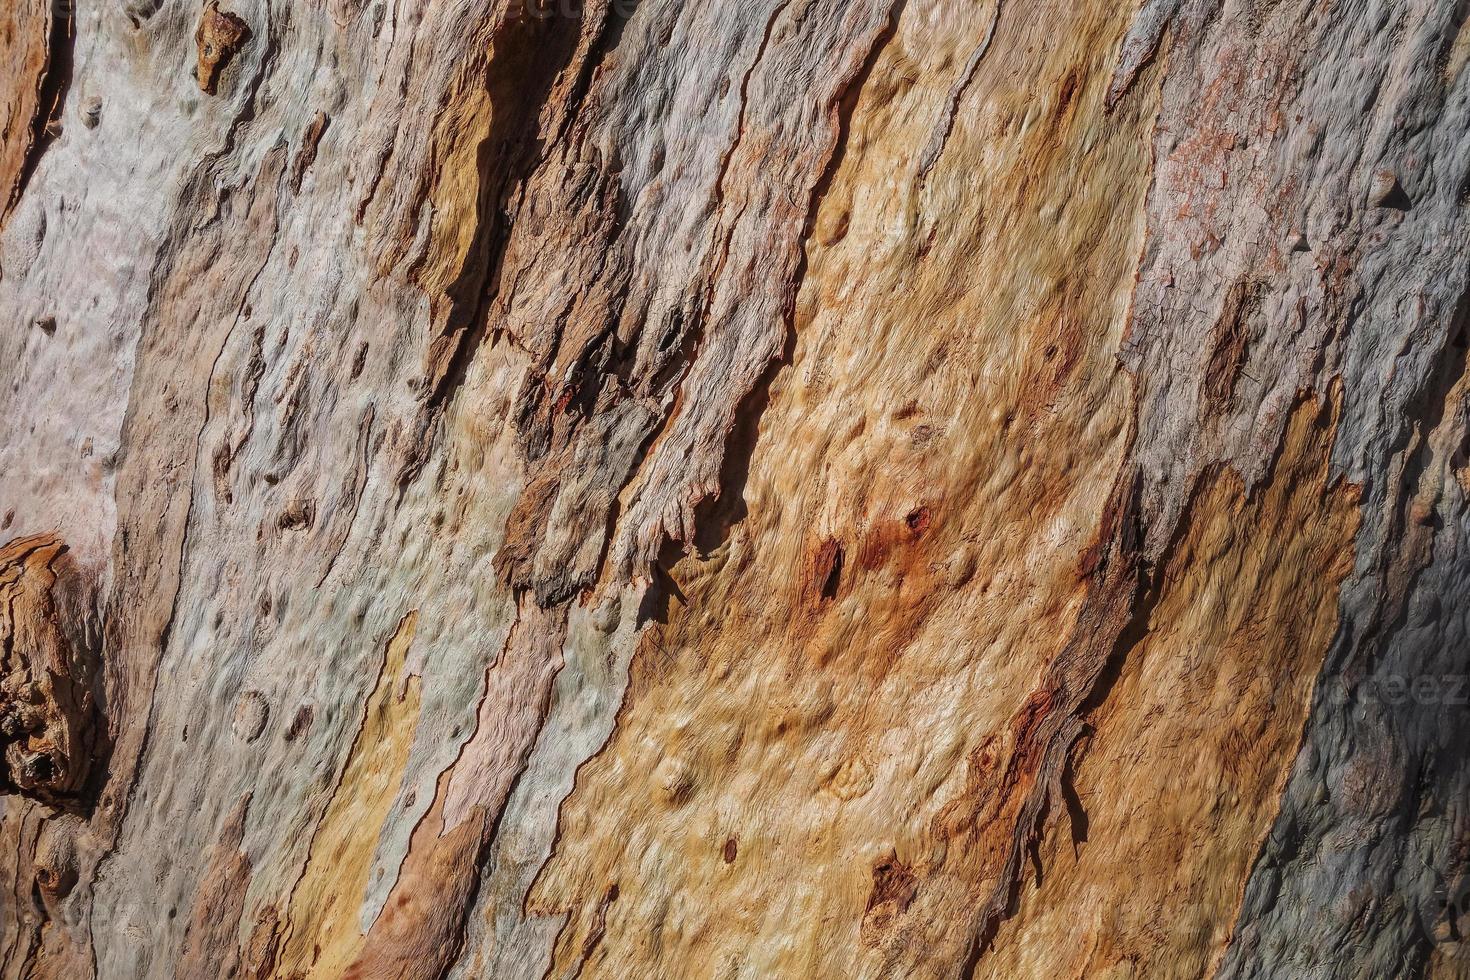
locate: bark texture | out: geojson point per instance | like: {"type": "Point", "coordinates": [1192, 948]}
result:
{"type": "Point", "coordinates": [789, 488]}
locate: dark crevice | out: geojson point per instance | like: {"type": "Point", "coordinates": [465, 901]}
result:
{"type": "Point", "coordinates": [655, 605]}
{"type": "Point", "coordinates": [51, 98]}
{"type": "Point", "coordinates": [1122, 575]}
{"type": "Point", "coordinates": [832, 579]}
{"type": "Point", "coordinates": [608, 38]}
{"type": "Point", "coordinates": [717, 515]}
{"type": "Point", "coordinates": [506, 157]}
{"type": "Point", "coordinates": [531, 54]}
{"type": "Point", "coordinates": [662, 357]}
{"type": "Point", "coordinates": [1076, 812]}
{"type": "Point", "coordinates": [520, 82]}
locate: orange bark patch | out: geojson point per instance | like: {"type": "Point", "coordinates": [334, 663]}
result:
{"type": "Point", "coordinates": [1178, 784]}
{"type": "Point", "coordinates": [219, 38]}
{"type": "Point", "coordinates": [953, 420]}
{"type": "Point", "coordinates": [32, 34]}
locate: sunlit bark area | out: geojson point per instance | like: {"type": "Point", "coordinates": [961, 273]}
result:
{"type": "Point", "coordinates": [783, 489]}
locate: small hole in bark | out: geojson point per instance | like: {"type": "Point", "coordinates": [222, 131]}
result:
{"type": "Point", "coordinates": [918, 520]}
{"type": "Point", "coordinates": [894, 884]}
{"type": "Point", "coordinates": [300, 724]}
{"type": "Point", "coordinates": [832, 558]}
{"type": "Point", "coordinates": [41, 768]}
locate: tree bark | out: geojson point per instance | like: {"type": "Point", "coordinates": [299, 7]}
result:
{"type": "Point", "coordinates": [792, 488]}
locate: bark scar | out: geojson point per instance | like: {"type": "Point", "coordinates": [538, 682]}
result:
{"type": "Point", "coordinates": [220, 36]}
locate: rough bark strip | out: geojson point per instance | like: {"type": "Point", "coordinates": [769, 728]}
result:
{"type": "Point", "coordinates": [37, 38]}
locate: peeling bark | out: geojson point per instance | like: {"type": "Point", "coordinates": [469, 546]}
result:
{"type": "Point", "coordinates": [793, 488]}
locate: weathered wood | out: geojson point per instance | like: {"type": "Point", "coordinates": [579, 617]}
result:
{"type": "Point", "coordinates": [879, 488]}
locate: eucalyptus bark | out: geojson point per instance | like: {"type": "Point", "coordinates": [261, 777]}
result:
{"type": "Point", "coordinates": [791, 488]}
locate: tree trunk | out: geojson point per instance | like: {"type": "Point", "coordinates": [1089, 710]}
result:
{"type": "Point", "coordinates": [789, 488]}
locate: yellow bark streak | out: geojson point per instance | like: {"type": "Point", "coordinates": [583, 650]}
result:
{"type": "Point", "coordinates": [323, 931]}
{"type": "Point", "coordinates": [1181, 779]}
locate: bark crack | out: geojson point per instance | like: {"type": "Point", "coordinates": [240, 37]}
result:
{"type": "Point", "coordinates": [939, 137]}
{"type": "Point", "coordinates": [50, 97]}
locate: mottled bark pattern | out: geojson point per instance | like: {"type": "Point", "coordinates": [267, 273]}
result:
{"type": "Point", "coordinates": [791, 488]}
